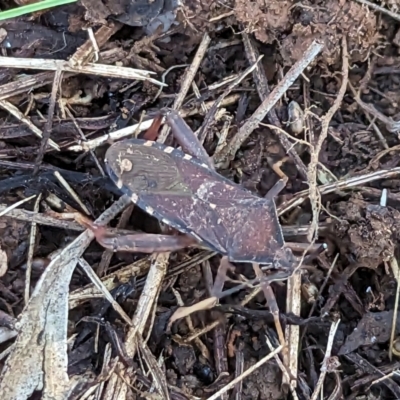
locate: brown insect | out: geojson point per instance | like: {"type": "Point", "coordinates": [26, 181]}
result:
{"type": "Point", "coordinates": [183, 190]}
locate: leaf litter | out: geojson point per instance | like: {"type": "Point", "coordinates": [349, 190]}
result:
{"type": "Point", "coordinates": [160, 326]}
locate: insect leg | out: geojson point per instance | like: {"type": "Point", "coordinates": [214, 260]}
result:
{"type": "Point", "coordinates": [186, 137]}
{"type": "Point", "coordinates": [145, 242]}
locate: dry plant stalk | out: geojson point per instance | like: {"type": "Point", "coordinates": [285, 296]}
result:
{"type": "Point", "coordinates": [143, 126]}
{"type": "Point", "coordinates": [314, 194]}
{"type": "Point", "coordinates": [42, 338]}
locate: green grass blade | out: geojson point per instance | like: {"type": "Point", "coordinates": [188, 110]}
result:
{"type": "Point", "coordinates": [30, 8]}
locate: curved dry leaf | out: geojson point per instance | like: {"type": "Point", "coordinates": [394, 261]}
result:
{"type": "Point", "coordinates": [182, 312]}
{"type": "Point", "coordinates": [3, 263]}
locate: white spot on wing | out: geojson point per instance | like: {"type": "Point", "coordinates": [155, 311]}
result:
{"type": "Point", "coordinates": [148, 143]}
{"type": "Point", "coordinates": [120, 183]}
{"type": "Point", "coordinates": [165, 221]}
{"type": "Point", "coordinates": [134, 198]}
{"type": "Point", "coordinates": [204, 165]}
{"type": "Point", "coordinates": [187, 157]}
{"type": "Point", "coordinates": [149, 210]}
{"type": "Point", "coordinates": [196, 236]}
{"type": "Point", "coordinates": [213, 206]}
{"type": "Point", "coordinates": [169, 149]}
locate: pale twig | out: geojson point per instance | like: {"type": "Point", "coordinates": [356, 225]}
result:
{"type": "Point", "coordinates": [380, 9]}
{"type": "Point", "coordinates": [130, 130]}
{"type": "Point", "coordinates": [100, 286]}
{"type": "Point", "coordinates": [391, 125]}
{"type": "Point", "coordinates": [249, 371]}
{"type": "Point", "coordinates": [25, 84]}
{"type": "Point", "coordinates": [314, 195]}
{"type": "Point", "coordinates": [292, 332]}
{"type": "Point", "coordinates": [395, 267]}
{"type": "Point", "coordinates": [284, 371]}
{"type": "Point", "coordinates": [324, 367]}
{"type": "Point", "coordinates": [110, 71]}
{"type": "Point", "coordinates": [71, 191]}
{"type": "Point", "coordinates": [300, 197]}
{"type": "Point", "coordinates": [367, 114]}
{"type": "Point", "coordinates": [212, 111]}
{"type": "Point", "coordinates": [49, 123]}
{"type": "Point", "coordinates": [202, 347]}
{"type": "Point", "coordinates": [262, 86]}
{"type": "Point", "coordinates": [396, 273]}
{"type": "Point", "coordinates": [187, 81]}
{"type": "Point", "coordinates": [15, 205]}
{"type": "Point", "coordinates": [252, 123]}
{"type": "Point", "coordinates": [32, 242]}
{"type": "Point", "coordinates": [25, 120]}
{"type": "Point", "coordinates": [86, 52]}
{"type": "Point", "coordinates": [163, 76]}
{"type": "Point", "coordinates": [40, 218]}
{"type": "Point", "coordinates": [82, 135]}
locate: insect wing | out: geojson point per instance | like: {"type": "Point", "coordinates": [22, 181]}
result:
{"type": "Point", "coordinates": [185, 194]}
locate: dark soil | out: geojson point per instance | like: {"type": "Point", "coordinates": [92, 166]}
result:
{"type": "Point", "coordinates": [360, 232]}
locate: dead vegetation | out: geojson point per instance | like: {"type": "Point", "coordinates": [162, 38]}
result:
{"type": "Point", "coordinates": [303, 92]}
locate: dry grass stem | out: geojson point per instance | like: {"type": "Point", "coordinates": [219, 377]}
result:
{"type": "Point", "coordinates": [110, 71]}
{"type": "Point", "coordinates": [143, 126]}
{"type": "Point", "coordinates": [268, 103]}
{"type": "Point", "coordinates": [348, 183]}
{"type": "Point", "coordinates": [262, 86]}
{"type": "Point", "coordinates": [314, 194]}
{"type": "Point", "coordinates": [15, 205]}
{"type": "Point", "coordinates": [324, 367]}
{"type": "Point", "coordinates": [26, 121]}
{"type": "Point", "coordinates": [380, 9]}
{"type": "Point", "coordinates": [292, 332]}
{"type": "Point", "coordinates": [71, 192]}
{"type": "Point", "coordinates": [246, 373]}
{"type": "Point", "coordinates": [292, 382]}
{"type": "Point", "coordinates": [187, 81]}
{"type": "Point", "coordinates": [101, 287]}
{"type": "Point", "coordinates": [32, 242]}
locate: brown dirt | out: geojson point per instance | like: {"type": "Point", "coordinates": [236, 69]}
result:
{"type": "Point", "coordinates": [361, 287]}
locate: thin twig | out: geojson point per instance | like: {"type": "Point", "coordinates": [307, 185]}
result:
{"type": "Point", "coordinates": [25, 120]}
{"type": "Point", "coordinates": [284, 371]}
{"type": "Point", "coordinates": [300, 197]}
{"type": "Point", "coordinates": [32, 242]}
{"type": "Point", "coordinates": [82, 135]}
{"type": "Point", "coordinates": [263, 92]}
{"type": "Point", "coordinates": [252, 123]}
{"type": "Point", "coordinates": [292, 332]}
{"type": "Point", "coordinates": [212, 111]}
{"type": "Point", "coordinates": [71, 191]}
{"type": "Point", "coordinates": [324, 367]}
{"type": "Point", "coordinates": [140, 127]}
{"type": "Point", "coordinates": [100, 286]}
{"type": "Point", "coordinates": [40, 218]}
{"type": "Point", "coordinates": [15, 205]}
{"type": "Point", "coordinates": [187, 81]}
{"type": "Point", "coordinates": [395, 267]}
{"type": "Point", "coordinates": [110, 71]}
{"type": "Point", "coordinates": [314, 195]}
{"type": "Point", "coordinates": [246, 373]}
{"type": "Point", "coordinates": [49, 123]}
{"type": "Point", "coordinates": [380, 9]}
